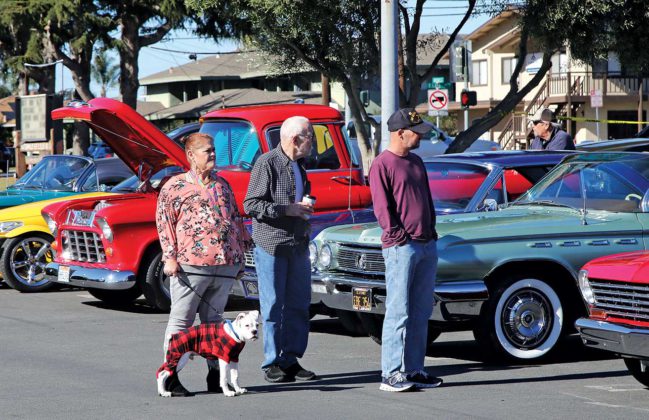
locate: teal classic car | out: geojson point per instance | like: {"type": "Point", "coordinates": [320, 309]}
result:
{"type": "Point", "coordinates": [509, 275]}
{"type": "Point", "coordinates": [58, 176]}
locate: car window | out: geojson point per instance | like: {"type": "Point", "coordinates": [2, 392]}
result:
{"type": "Point", "coordinates": [323, 153]}
{"type": "Point", "coordinates": [91, 183]}
{"type": "Point", "coordinates": [236, 142]}
{"type": "Point", "coordinates": [453, 185]}
{"type": "Point", "coordinates": [58, 173]}
{"type": "Point", "coordinates": [613, 186]}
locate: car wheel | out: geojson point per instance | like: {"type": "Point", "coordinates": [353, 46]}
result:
{"type": "Point", "coordinates": [156, 284]}
{"type": "Point", "coordinates": [23, 262]}
{"type": "Point", "coordinates": [116, 297]}
{"type": "Point", "coordinates": [523, 320]}
{"type": "Point", "coordinates": [635, 367]}
{"type": "Point", "coordinates": [351, 322]}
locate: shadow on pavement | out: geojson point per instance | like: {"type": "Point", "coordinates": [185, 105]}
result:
{"type": "Point", "coordinates": [569, 350]}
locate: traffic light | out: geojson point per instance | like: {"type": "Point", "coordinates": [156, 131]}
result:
{"type": "Point", "coordinates": [468, 98]}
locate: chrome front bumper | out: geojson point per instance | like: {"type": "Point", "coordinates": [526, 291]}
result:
{"type": "Point", "coordinates": [620, 339]}
{"type": "Point", "coordinates": [91, 278]}
{"type": "Point", "coordinates": [248, 288]}
{"type": "Point", "coordinates": [456, 301]}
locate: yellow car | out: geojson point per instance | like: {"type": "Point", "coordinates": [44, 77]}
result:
{"type": "Point", "coordinates": [25, 240]}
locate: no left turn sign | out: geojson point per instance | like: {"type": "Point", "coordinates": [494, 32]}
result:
{"type": "Point", "coordinates": [438, 100]}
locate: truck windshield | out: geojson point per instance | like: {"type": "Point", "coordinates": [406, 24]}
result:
{"type": "Point", "coordinates": [236, 142]}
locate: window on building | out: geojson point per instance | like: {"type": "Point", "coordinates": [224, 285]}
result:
{"type": "Point", "coordinates": [479, 73]}
{"type": "Point", "coordinates": [508, 68]}
{"type": "Point", "coordinates": [508, 65]}
{"type": "Point", "coordinates": [559, 63]}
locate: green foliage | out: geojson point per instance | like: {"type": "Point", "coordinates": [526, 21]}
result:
{"type": "Point", "coordinates": [592, 29]}
{"type": "Point", "coordinates": [104, 71]}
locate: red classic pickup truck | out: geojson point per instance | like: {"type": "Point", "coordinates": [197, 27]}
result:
{"type": "Point", "coordinates": [616, 290]}
{"type": "Point", "coordinates": [110, 245]}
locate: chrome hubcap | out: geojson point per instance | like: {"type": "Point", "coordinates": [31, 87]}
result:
{"type": "Point", "coordinates": [526, 318]}
{"type": "Point", "coordinates": [28, 261]}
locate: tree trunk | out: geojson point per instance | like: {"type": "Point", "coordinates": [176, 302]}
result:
{"type": "Point", "coordinates": [129, 52]}
{"type": "Point", "coordinates": [326, 90]}
{"type": "Point", "coordinates": [80, 139]}
{"type": "Point", "coordinates": [362, 136]}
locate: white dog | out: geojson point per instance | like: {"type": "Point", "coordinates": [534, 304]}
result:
{"type": "Point", "coordinates": [223, 341]}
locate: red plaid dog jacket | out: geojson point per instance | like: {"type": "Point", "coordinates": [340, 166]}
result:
{"type": "Point", "coordinates": [208, 340]}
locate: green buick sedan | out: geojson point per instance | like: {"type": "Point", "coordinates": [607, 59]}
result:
{"type": "Point", "coordinates": [509, 275]}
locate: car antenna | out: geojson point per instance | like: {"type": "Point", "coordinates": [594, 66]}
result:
{"type": "Point", "coordinates": [583, 209]}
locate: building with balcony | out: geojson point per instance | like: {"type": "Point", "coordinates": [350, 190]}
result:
{"type": "Point", "coordinates": [566, 89]}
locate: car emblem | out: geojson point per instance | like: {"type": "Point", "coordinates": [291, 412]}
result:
{"type": "Point", "coordinates": [361, 261]}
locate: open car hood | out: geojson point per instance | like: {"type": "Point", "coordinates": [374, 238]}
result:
{"type": "Point", "coordinates": [134, 139]}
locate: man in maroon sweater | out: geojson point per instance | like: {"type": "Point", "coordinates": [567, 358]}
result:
{"type": "Point", "coordinates": [404, 209]}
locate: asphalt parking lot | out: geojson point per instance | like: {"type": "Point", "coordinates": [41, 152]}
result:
{"type": "Point", "coordinates": [66, 356]}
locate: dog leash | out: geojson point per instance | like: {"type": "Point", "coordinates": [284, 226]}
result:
{"type": "Point", "coordinates": [186, 283]}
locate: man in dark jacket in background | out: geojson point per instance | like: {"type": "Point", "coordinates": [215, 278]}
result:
{"type": "Point", "coordinates": [548, 135]}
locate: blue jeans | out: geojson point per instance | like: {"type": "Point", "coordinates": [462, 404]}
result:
{"type": "Point", "coordinates": [410, 271]}
{"type": "Point", "coordinates": [284, 298]}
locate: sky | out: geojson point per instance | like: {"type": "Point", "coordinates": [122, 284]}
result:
{"type": "Point", "coordinates": [174, 50]}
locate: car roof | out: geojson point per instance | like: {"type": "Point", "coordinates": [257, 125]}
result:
{"type": "Point", "coordinates": [507, 157]}
{"type": "Point", "coordinates": [630, 144]}
{"type": "Point", "coordinates": [263, 115]}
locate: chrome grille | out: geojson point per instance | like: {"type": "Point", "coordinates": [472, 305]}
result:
{"type": "Point", "coordinates": [360, 260]}
{"type": "Point", "coordinates": [79, 245]}
{"type": "Point", "coordinates": [250, 258]}
{"type": "Point", "coordinates": [622, 299]}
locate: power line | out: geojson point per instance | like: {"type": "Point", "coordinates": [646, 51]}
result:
{"type": "Point", "coordinates": [199, 53]}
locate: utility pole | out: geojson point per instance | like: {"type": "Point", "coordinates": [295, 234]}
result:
{"type": "Point", "coordinates": [389, 81]}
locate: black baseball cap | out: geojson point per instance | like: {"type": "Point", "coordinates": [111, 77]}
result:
{"type": "Point", "coordinates": [408, 118]}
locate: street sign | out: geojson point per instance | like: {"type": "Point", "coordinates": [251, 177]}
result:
{"type": "Point", "coordinates": [596, 99]}
{"type": "Point", "coordinates": [437, 102]}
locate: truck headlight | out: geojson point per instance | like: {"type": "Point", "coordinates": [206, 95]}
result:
{"type": "Point", "coordinates": [105, 228]}
{"type": "Point", "coordinates": [324, 257]}
{"type": "Point", "coordinates": [9, 226]}
{"type": "Point", "coordinates": [51, 224]}
{"type": "Point", "coordinates": [586, 290]}
{"type": "Point", "coordinates": [313, 253]}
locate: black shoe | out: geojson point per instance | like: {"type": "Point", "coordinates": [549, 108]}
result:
{"type": "Point", "coordinates": [422, 379]}
{"type": "Point", "coordinates": [213, 380]}
{"type": "Point", "coordinates": [176, 388]}
{"type": "Point", "coordinates": [275, 374]}
{"type": "Point", "coordinates": [299, 373]}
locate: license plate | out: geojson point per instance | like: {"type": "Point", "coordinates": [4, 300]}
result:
{"type": "Point", "coordinates": [250, 288]}
{"type": "Point", "coordinates": [362, 299]}
{"type": "Point", "coordinates": [64, 274]}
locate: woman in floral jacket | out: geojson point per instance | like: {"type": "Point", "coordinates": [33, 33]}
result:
{"type": "Point", "coordinates": [203, 243]}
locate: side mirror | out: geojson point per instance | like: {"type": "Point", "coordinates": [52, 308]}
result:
{"type": "Point", "coordinates": [489, 204]}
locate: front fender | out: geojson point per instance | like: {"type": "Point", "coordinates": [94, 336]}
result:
{"type": "Point", "coordinates": [27, 229]}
